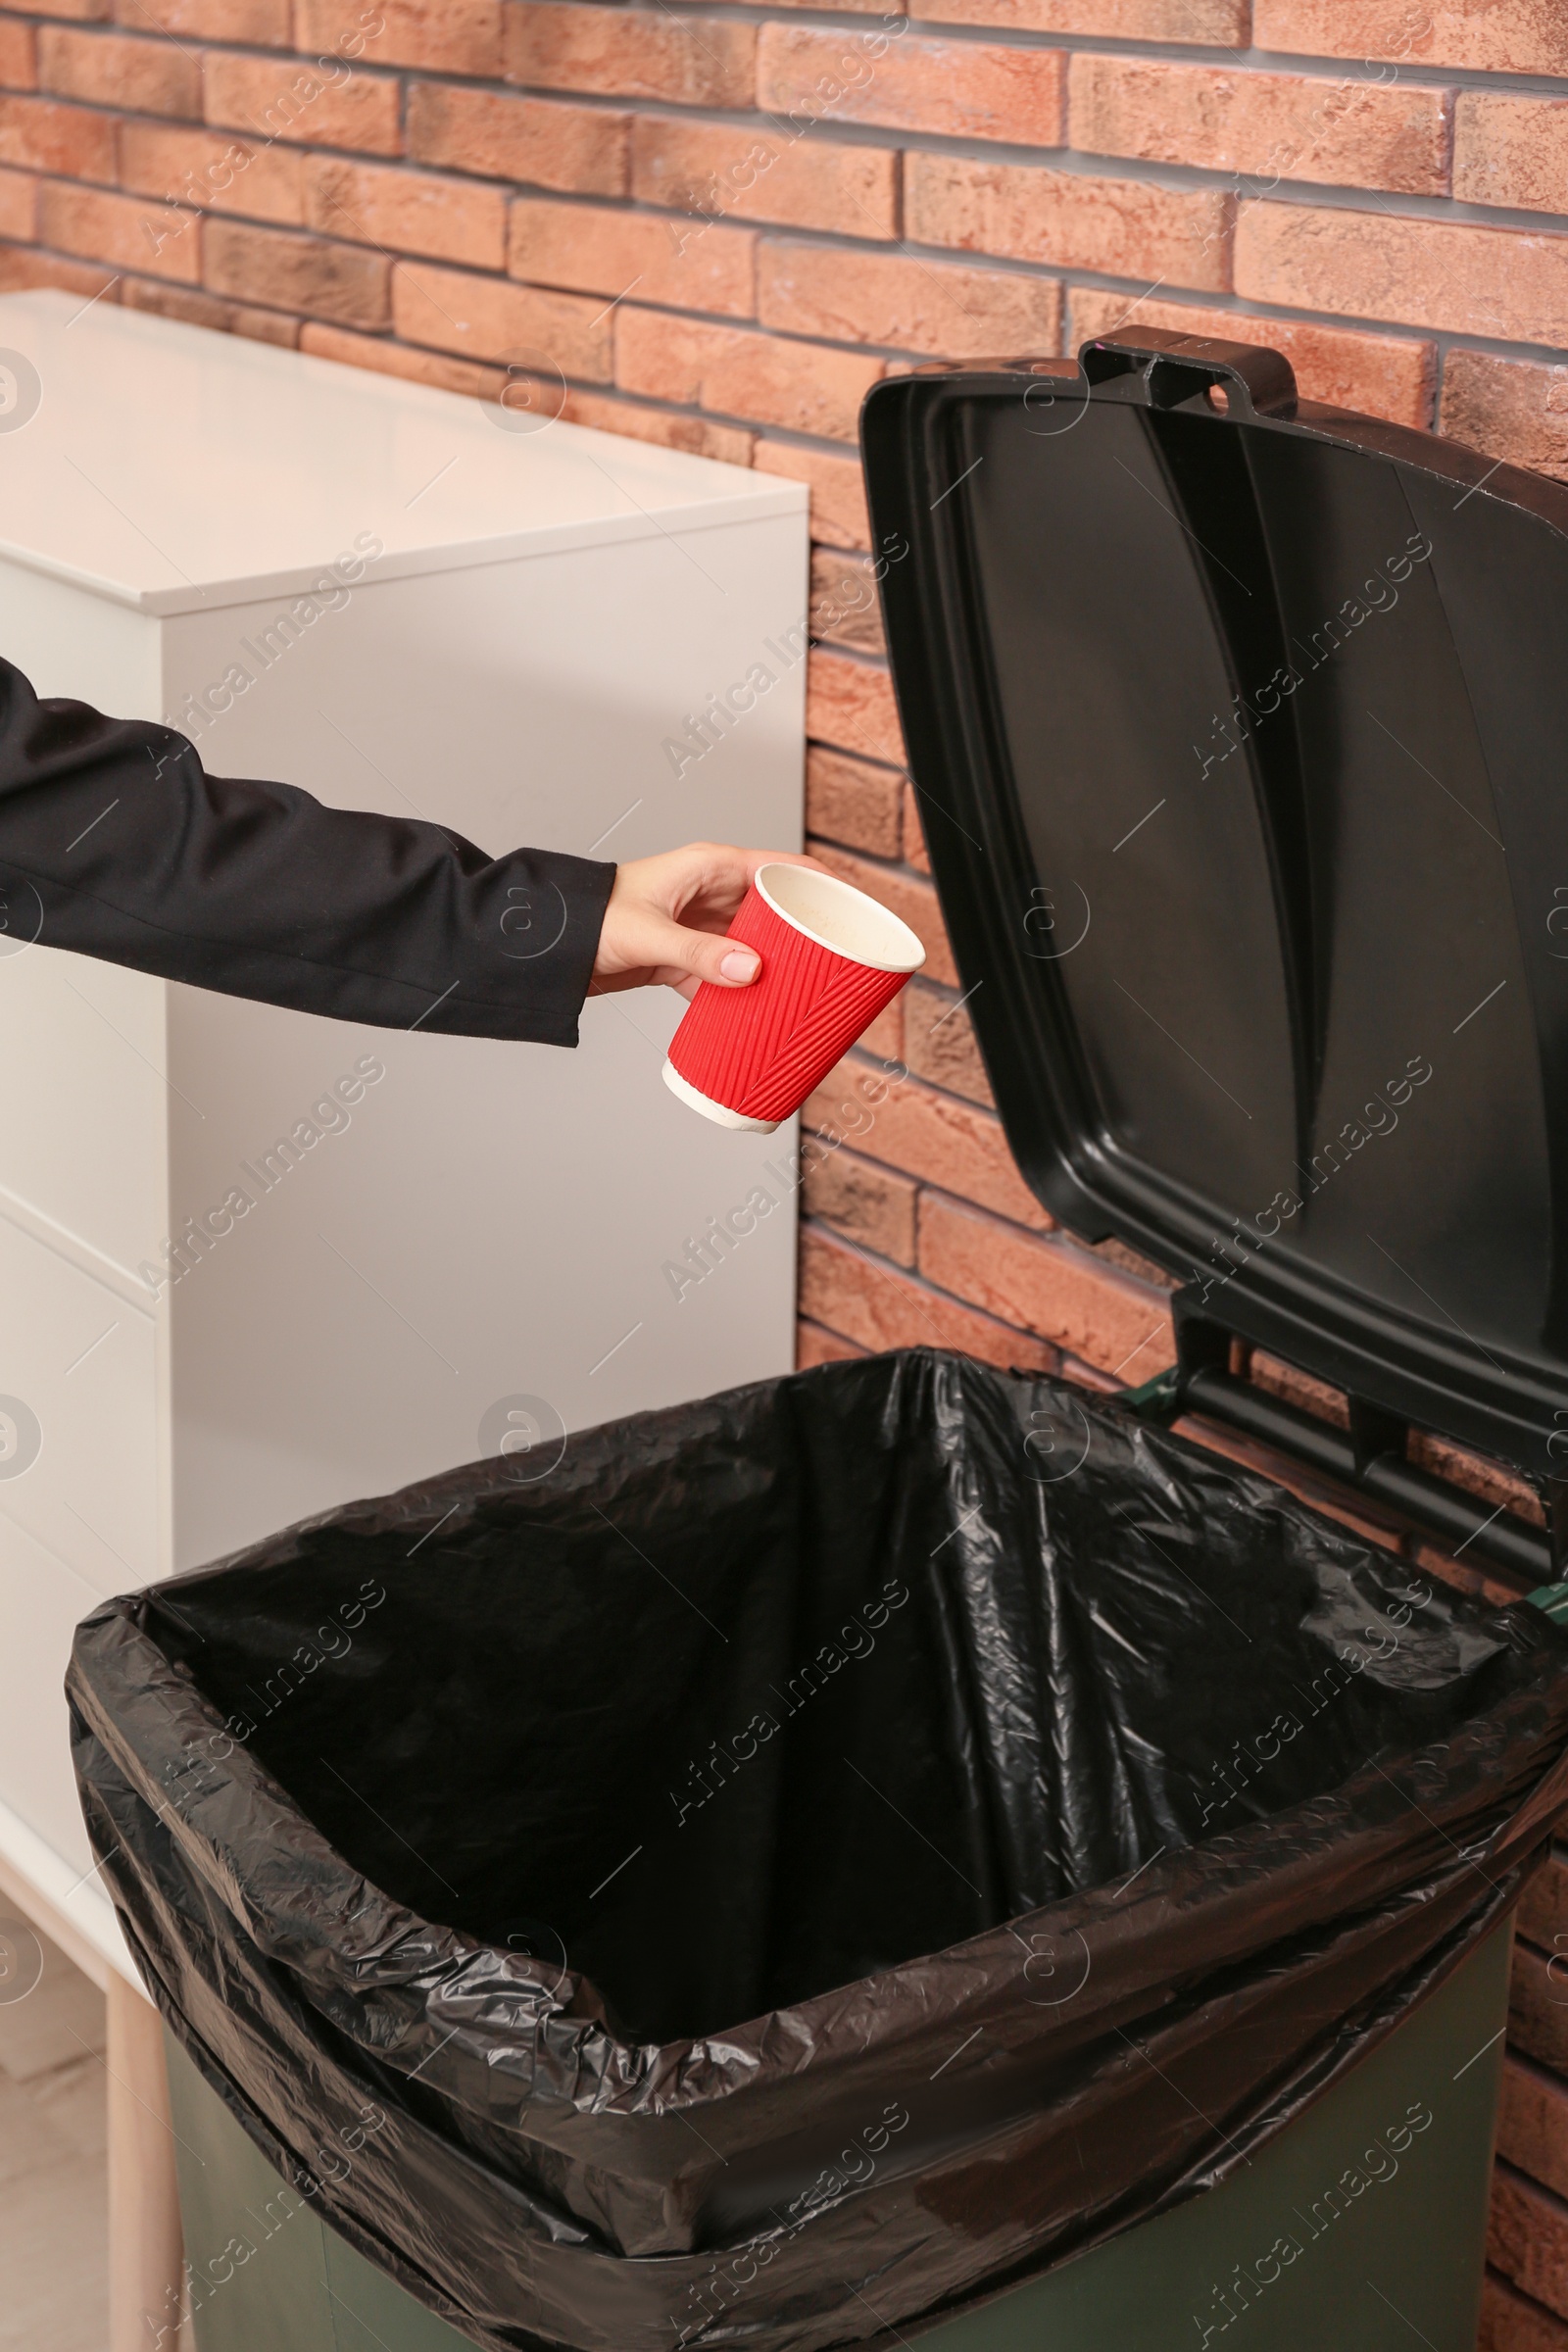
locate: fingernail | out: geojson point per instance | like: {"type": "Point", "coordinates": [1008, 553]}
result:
{"type": "Point", "coordinates": [739, 965]}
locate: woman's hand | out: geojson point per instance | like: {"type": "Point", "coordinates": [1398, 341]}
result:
{"type": "Point", "coordinates": [665, 923]}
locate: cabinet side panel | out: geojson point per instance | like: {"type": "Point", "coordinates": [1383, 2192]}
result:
{"type": "Point", "coordinates": [81, 1041]}
{"type": "Point", "coordinates": [480, 1224]}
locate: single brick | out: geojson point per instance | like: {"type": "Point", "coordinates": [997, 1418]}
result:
{"type": "Point", "coordinates": [1543, 1911]}
{"type": "Point", "coordinates": [851, 801]}
{"type": "Point", "coordinates": [206, 310]}
{"type": "Point", "coordinates": [19, 206]}
{"type": "Point", "coordinates": [80, 12]}
{"type": "Point", "coordinates": [1533, 2123]}
{"type": "Point", "coordinates": [486, 318]}
{"type": "Point", "coordinates": [915, 853]}
{"type": "Point", "coordinates": [949, 308]}
{"type": "Point", "coordinates": [803, 386]}
{"type": "Point", "coordinates": [814, 1346]}
{"type": "Point", "coordinates": [863, 1202]}
{"type": "Point", "coordinates": [715, 173]}
{"type": "Point", "coordinates": [850, 704]}
{"type": "Point", "coordinates": [932, 1136]}
{"type": "Point", "coordinates": [1527, 2241]}
{"type": "Point", "coordinates": [845, 609]}
{"type": "Point", "coordinates": [540, 142]}
{"type": "Point", "coordinates": [405, 212]}
{"type": "Point", "coordinates": [163, 240]}
{"type": "Point", "coordinates": [939, 1042]}
{"type": "Point", "coordinates": [958, 89]}
{"type": "Point", "coordinates": [1538, 2005]}
{"type": "Point", "coordinates": [1492, 36]}
{"type": "Point", "coordinates": [1510, 150]}
{"type": "Point", "coordinates": [730, 444]}
{"type": "Point", "coordinates": [321, 103]}
{"type": "Point", "coordinates": [914, 901]}
{"type": "Point", "coordinates": [837, 486]}
{"type": "Point", "coordinates": [694, 265]}
{"type": "Point", "coordinates": [1511, 409]}
{"type": "Point", "coordinates": [19, 60]}
{"type": "Point", "coordinates": [296, 273]}
{"type": "Point", "coordinates": [1277, 125]}
{"type": "Point", "coordinates": [1388, 376]}
{"type": "Point", "coordinates": [396, 358]}
{"type": "Point", "coordinates": [1047, 1287]}
{"type": "Point", "coordinates": [1511, 2322]}
{"type": "Point", "coordinates": [112, 69]}
{"type": "Point", "coordinates": [20, 268]}
{"type": "Point", "coordinates": [626, 53]}
{"type": "Point", "coordinates": [1125, 227]}
{"type": "Point", "coordinates": [213, 170]}
{"type": "Point", "coordinates": [1314, 1397]}
{"type": "Point", "coordinates": [443, 36]}
{"type": "Point", "coordinates": [1487, 282]}
{"type": "Point", "coordinates": [1490, 1482]}
{"type": "Point", "coordinates": [263, 23]}
{"type": "Point", "coordinates": [42, 135]}
{"type": "Point", "coordinates": [1219, 23]}
{"type": "Point", "coordinates": [855, 1296]}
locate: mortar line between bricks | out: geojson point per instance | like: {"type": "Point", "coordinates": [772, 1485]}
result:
{"type": "Point", "coordinates": [1251, 61]}
{"type": "Point", "coordinates": [1074, 162]}
{"type": "Point", "coordinates": [1079, 163]}
{"type": "Point", "coordinates": [1537, 2069]}
{"type": "Point", "coordinates": [892, 1272]}
{"type": "Point", "coordinates": [1519, 2173]}
{"type": "Point", "coordinates": [1129, 49]}
{"type": "Point", "coordinates": [1444, 339]}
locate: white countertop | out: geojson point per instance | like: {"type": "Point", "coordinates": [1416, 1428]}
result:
{"type": "Point", "coordinates": [235, 469]}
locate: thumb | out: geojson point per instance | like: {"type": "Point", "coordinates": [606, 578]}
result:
{"type": "Point", "coordinates": [706, 955]}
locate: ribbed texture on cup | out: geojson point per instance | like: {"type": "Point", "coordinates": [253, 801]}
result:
{"type": "Point", "coordinates": [760, 1050]}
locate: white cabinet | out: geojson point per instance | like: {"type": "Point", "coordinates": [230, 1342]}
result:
{"type": "Point", "coordinates": [536, 615]}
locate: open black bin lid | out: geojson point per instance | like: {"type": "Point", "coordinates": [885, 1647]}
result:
{"type": "Point", "coordinates": [1241, 730]}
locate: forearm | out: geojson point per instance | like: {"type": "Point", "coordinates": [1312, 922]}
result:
{"type": "Point", "coordinates": [115, 841]}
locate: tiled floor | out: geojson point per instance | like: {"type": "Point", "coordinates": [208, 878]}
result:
{"type": "Point", "coordinates": [53, 2179]}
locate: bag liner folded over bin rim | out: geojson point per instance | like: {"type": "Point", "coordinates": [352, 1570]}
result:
{"type": "Point", "coordinates": [804, 1859]}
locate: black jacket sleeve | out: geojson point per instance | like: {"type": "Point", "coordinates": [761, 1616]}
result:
{"type": "Point", "coordinates": [116, 842]}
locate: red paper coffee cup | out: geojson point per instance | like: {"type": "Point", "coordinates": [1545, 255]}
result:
{"type": "Point", "coordinates": [832, 958]}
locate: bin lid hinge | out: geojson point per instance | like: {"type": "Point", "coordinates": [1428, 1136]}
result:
{"type": "Point", "coordinates": [1370, 1454]}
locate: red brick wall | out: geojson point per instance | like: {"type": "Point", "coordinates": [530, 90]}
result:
{"type": "Point", "coordinates": [722, 226]}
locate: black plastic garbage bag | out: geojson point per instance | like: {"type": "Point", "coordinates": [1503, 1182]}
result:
{"type": "Point", "coordinates": [815, 1856]}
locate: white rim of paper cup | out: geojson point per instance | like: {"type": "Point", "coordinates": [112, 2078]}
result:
{"type": "Point", "coordinates": [847, 921]}
{"type": "Point", "coordinates": [719, 1112]}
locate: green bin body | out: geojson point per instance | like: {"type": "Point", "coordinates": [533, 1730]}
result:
{"type": "Point", "coordinates": [1387, 2217]}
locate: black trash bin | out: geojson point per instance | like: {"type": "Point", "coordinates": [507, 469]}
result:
{"type": "Point", "coordinates": [813, 1860]}
{"type": "Point", "coordinates": [915, 1849]}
